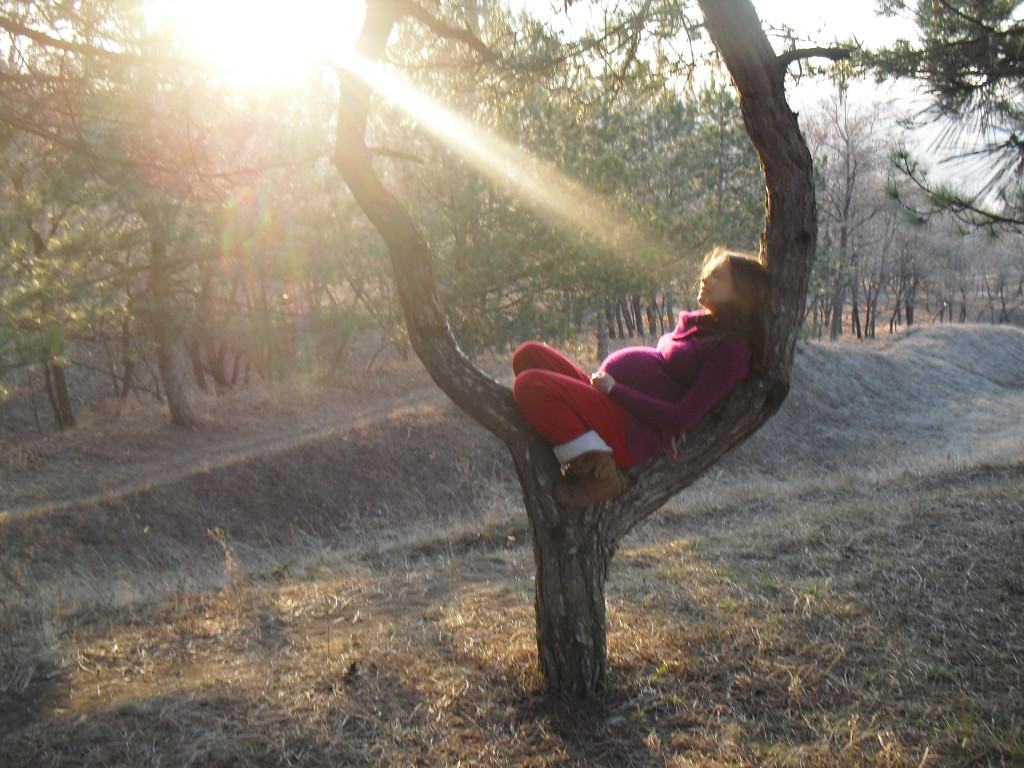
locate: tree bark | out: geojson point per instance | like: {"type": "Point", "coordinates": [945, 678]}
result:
{"type": "Point", "coordinates": [162, 324]}
{"type": "Point", "coordinates": [127, 363]}
{"type": "Point", "coordinates": [573, 550]}
{"type": "Point", "coordinates": [602, 335]}
{"type": "Point", "coordinates": [175, 389]}
{"type": "Point", "coordinates": [59, 396]}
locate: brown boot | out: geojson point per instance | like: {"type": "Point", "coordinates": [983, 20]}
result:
{"type": "Point", "coordinates": [584, 465]}
{"type": "Point", "coordinates": [590, 478]}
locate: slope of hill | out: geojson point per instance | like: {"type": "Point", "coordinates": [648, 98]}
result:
{"type": "Point", "coordinates": [355, 472]}
{"type": "Point", "coordinates": [947, 395]}
{"type": "Point", "coordinates": [938, 396]}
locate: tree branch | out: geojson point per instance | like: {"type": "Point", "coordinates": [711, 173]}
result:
{"type": "Point", "coordinates": [974, 21]}
{"type": "Point", "coordinates": [94, 52]}
{"type": "Point", "coordinates": [416, 11]}
{"type": "Point", "coordinates": [17, 29]}
{"type": "Point", "coordinates": [483, 398]}
{"type": "Point", "coordinates": [835, 54]}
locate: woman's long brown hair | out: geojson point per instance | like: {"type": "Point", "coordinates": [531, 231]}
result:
{"type": "Point", "coordinates": [743, 317]}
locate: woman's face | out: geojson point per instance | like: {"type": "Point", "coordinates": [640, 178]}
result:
{"type": "Point", "coordinates": [716, 287]}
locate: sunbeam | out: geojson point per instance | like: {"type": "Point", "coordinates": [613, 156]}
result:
{"type": "Point", "coordinates": [562, 201]}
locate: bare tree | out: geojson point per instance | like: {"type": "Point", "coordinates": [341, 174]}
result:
{"type": "Point", "coordinates": [848, 143]}
{"type": "Point", "coordinates": [876, 265]}
{"type": "Point", "coordinates": [1003, 283]}
{"type": "Point", "coordinates": [573, 550]}
{"type": "Point", "coordinates": [906, 278]}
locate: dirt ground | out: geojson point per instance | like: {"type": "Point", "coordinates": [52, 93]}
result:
{"type": "Point", "coordinates": [836, 627]}
{"type": "Point", "coordinates": [126, 446]}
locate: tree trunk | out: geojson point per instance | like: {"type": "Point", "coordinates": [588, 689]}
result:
{"type": "Point", "coordinates": [572, 560]}
{"type": "Point", "coordinates": [195, 356]}
{"type": "Point", "coordinates": [602, 336]}
{"type": "Point", "coordinates": [638, 314]}
{"type": "Point", "coordinates": [160, 316]}
{"type": "Point", "coordinates": [838, 308]}
{"type": "Point", "coordinates": [60, 398]}
{"type": "Point", "coordinates": [573, 550]}
{"type": "Point", "coordinates": [175, 389]}
{"type": "Point", "coordinates": [609, 320]}
{"type": "Point", "coordinates": [127, 363]}
{"type": "Point", "coordinates": [625, 311]}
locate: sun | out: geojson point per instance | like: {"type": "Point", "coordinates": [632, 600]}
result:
{"type": "Point", "coordinates": [254, 43]}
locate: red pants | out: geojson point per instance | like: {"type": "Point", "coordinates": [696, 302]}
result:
{"type": "Point", "coordinates": [557, 398]}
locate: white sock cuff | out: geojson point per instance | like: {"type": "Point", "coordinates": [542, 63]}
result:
{"type": "Point", "coordinates": [588, 441]}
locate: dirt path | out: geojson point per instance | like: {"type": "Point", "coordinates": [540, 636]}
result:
{"type": "Point", "coordinates": [133, 451]}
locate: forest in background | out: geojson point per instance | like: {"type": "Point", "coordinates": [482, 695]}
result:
{"type": "Point", "coordinates": [166, 232]}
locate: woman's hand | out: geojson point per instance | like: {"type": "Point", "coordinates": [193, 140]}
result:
{"type": "Point", "coordinates": [602, 381]}
{"type": "Point", "coordinates": [671, 448]}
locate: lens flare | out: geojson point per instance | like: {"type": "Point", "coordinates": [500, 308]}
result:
{"type": "Point", "coordinates": [253, 44]}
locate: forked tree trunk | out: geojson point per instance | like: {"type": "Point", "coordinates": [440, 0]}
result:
{"type": "Point", "coordinates": [573, 550]}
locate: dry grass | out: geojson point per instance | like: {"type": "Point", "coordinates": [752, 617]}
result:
{"type": "Point", "coordinates": [826, 629]}
{"type": "Point", "coordinates": [273, 612]}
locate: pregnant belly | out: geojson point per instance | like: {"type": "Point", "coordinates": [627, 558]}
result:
{"type": "Point", "coordinates": [642, 369]}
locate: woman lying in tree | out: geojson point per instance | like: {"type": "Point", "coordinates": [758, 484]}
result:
{"type": "Point", "coordinates": [642, 398]}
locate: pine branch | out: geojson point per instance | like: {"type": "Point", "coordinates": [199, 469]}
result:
{"type": "Point", "coordinates": [835, 54]}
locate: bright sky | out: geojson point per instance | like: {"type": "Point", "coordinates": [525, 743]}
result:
{"type": "Point", "coordinates": [814, 22]}
{"type": "Point", "coordinates": [824, 21]}
{"type": "Point", "coordinates": [257, 41]}
{"type": "Point", "coordinates": [820, 21]}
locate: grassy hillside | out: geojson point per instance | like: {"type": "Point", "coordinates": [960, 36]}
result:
{"type": "Point", "coordinates": [348, 582]}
